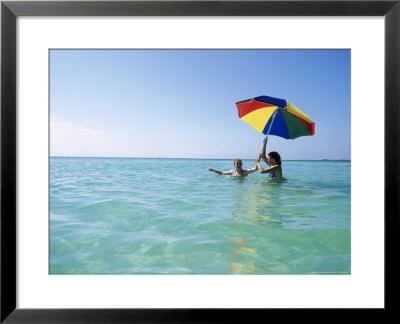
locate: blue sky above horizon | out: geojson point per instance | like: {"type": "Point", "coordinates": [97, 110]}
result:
{"type": "Point", "coordinates": [181, 103]}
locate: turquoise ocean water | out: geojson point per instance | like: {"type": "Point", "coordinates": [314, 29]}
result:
{"type": "Point", "coordinates": [172, 216]}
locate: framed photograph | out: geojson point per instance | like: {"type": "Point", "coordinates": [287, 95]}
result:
{"type": "Point", "coordinates": [190, 161]}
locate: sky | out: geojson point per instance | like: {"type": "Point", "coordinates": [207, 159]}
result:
{"type": "Point", "coordinates": [181, 103]}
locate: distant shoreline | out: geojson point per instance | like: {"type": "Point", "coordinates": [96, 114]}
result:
{"type": "Point", "coordinates": [168, 158]}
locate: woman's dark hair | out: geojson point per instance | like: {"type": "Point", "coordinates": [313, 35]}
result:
{"type": "Point", "coordinates": [276, 156]}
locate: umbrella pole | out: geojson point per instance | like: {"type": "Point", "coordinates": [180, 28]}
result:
{"type": "Point", "coordinates": [269, 129]}
{"type": "Point", "coordinates": [272, 121]}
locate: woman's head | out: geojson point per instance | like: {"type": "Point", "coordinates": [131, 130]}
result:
{"type": "Point", "coordinates": [275, 156]}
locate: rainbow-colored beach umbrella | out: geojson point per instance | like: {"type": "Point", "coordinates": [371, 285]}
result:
{"type": "Point", "coordinates": [273, 116]}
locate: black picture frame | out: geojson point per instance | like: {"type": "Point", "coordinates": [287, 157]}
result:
{"type": "Point", "coordinates": [10, 10]}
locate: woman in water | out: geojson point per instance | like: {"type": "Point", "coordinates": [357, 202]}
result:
{"type": "Point", "coordinates": [273, 160]}
{"type": "Point", "coordinates": [238, 172]}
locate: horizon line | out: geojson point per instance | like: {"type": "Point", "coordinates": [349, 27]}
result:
{"type": "Point", "coordinates": [182, 158]}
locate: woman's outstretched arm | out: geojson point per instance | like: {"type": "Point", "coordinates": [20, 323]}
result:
{"type": "Point", "coordinates": [263, 154]}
